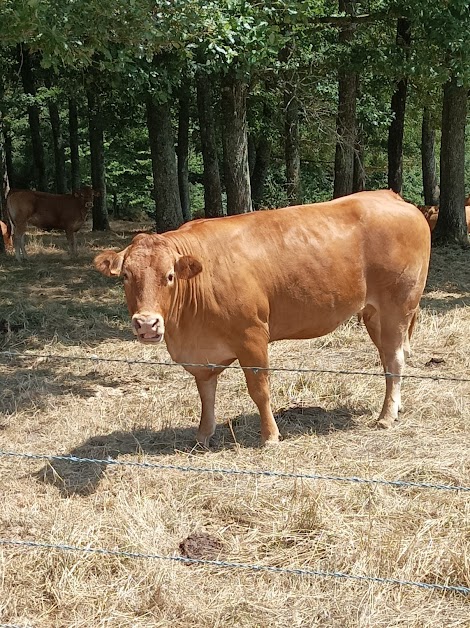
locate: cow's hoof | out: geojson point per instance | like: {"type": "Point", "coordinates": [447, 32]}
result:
{"type": "Point", "coordinates": [270, 441]}
{"type": "Point", "coordinates": [385, 424]}
{"type": "Point", "coordinates": [204, 441]}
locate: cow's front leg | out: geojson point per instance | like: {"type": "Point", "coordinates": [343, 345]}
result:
{"type": "Point", "coordinates": [206, 385]}
{"type": "Point", "coordinates": [72, 242]}
{"type": "Point", "coordinates": [256, 355]}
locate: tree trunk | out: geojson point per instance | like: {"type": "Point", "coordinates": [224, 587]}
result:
{"type": "Point", "coordinates": [359, 174]}
{"type": "Point", "coordinates": [29, 87]}
{"type": "Point", "coordinates": [235, 144]}
{"type": "Point", "coordinates": [58, 144]}
{"type": "Point", "coordinates": [4, 186]}
{"type": "Point", "coordinates": [398, 106]}
{"type": "Point", "coordinates": [251, 155]}
{"type": "Point", "coordinates": [428, 160]}
{"type": "Point", "coordinates": [9, 157]}
{"type": "Point", "coordinates": [451, 224]}
{"type": "Point", "coordinates": [346, 130]}
{"type": "Point", "coordinates": [182, 152]}
{"type": "Point", "coordinates": [212, 187]}
{"type": "Point", "coordinates": [260, 171]}
{"type": "Point", "coordinates": [346, 118]}
{"type": "Point", "coordinates": [97, 162]}
{"type": "Point", "coordinates": [168, 213]}
{"type": "Point", "coordinates": [292, 147]}
{"type": "Point", "coordinates": [74, 145]}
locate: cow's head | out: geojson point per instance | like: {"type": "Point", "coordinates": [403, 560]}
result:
{"type": "Point", "coordinates": [151, 269]}
{"type": "Point", "coordinates": [85, 195]}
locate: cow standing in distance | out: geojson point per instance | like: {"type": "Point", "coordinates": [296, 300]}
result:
{"type": "Point", "coordinates": [431, 213]}
{"type": "Point", "coordinates": [221, 289]}
{"type": "Point", "coordinates": [5, 230]}
{"type": "Point", "coordinates": [65, 212]}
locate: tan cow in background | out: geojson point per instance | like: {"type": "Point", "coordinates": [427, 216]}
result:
{"type": "Point", "coordinates": [65, 212]}
{"type": "Point", "coordinates": [6, 235]}
{"type": "Point", "coordinates": [221, 289]}
{"type": "Point", "coordinates": [431, 213]}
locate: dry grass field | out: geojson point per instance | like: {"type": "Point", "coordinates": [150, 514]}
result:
{"type": "Point", "coordinates": [95, 409]}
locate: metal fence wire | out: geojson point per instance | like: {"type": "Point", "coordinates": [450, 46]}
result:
{"type": "Point", "coordinates": [219, 564]}
{"type": "Point", "coordinates": [280, 369]}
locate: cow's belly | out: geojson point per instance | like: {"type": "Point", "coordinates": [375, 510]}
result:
{"type": "Point", "coordinates": [312, 325]}
{"type": "Point", "coordinates": [312, 318]}
{"type": "Point", "coordinates": [202, 347]}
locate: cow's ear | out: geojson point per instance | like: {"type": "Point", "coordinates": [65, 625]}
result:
{"type": "Point", "coordinates": [76, 194]}
{"type": "Point", "coordinates": [187, 267]}
{"type": "Point", "coordinates": [109, 263]}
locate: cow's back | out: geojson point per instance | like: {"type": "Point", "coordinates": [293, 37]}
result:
{"type": "Point", "coordinates": [43, 210]}
{"type": "Point", "coordinates": [303, 270]}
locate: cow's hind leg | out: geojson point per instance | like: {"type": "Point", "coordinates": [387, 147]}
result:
{"type": "Point", "coordinates": [392, 340]}
{"type": "Point", "coordinates": [18, 240]}
{"type": "Point", "coordinates": [407, 347]}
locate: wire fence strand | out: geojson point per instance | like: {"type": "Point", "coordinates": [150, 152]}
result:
{"type": "Point", "coordinates": [209, 365]}
{"type": "Point", "coordinates": [223, 471]}
{"type": "Point", "coordinates": [235, 565]}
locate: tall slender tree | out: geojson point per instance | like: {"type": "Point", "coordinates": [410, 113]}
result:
{"type": "Point", "coordinates": [398, 106]}
{"type": "Point", "coordinates": [182, 150]}
{"type": "Point", "coordinates": [207, 131]}
{"type": "Point", "coordinates": [235, 143]}
{"type": "Point", "coordinates": [29, 86]}
{"type": "Point", "coordinates": [74, 145]}
{"type": "Point", "coordinates": [97, 159]}
{"type": "Point", "coordinates": [168, 213]}
{"type": "Point", "coordinates": [57, 141]}
{"type": "Point", "coordinates": [428, 160]}
{"type": "Point", "coordinates": [346, 118]}
{"type": "Point", "coordinates": [451, 225]}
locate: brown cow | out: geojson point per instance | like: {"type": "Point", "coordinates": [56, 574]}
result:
{"type": "Point", "coordinates": [222, 289]}
{"type": "Point", "coordinates": [431, 212]}
{"type": "Point", "coordinates": [66, 212]}
{"type": "Point", "coordinates": [6, 234]}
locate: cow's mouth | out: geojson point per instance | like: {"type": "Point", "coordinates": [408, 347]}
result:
{"type": "Point", "coordinates": [145, 338]}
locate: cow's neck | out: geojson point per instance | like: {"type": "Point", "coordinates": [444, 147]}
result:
{"type": "Point", "coordinates": [187, 307]}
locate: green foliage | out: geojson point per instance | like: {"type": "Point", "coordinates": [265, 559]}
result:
{"type": "Point", "coordinates": [121, 49]}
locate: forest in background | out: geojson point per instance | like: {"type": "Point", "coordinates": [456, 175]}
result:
{"type": "Point", "coordinates": [183, 108]}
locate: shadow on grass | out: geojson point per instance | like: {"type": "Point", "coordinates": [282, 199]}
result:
{"type": "Point", "coordinates": [31, 386]}
{"type": "Point", "coordinates": [83, 478]}
{"type": "Point", "coordinates": [448, 274]}
{"type": "Point", "coordinates": [59, 300]}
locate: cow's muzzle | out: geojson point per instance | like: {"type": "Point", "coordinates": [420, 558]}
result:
{"type": "Point", "coordinates": [148, 327]}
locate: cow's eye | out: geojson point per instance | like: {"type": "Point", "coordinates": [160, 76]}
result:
{"type": "Point", "coordinates": [170, 277]}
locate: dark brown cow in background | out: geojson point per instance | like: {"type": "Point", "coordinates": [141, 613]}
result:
{"type": "Point", "coordinates": [221, 289]}
{"type": "Point", "coordinates": [65, 212]}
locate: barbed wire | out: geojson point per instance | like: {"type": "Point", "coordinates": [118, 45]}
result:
{"type": "Point", "coordinates": [223, 471]}
{"type": "Point", "coordinates": [209, 365]}
{"type": "Point", "coordinates": [235, 565]}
